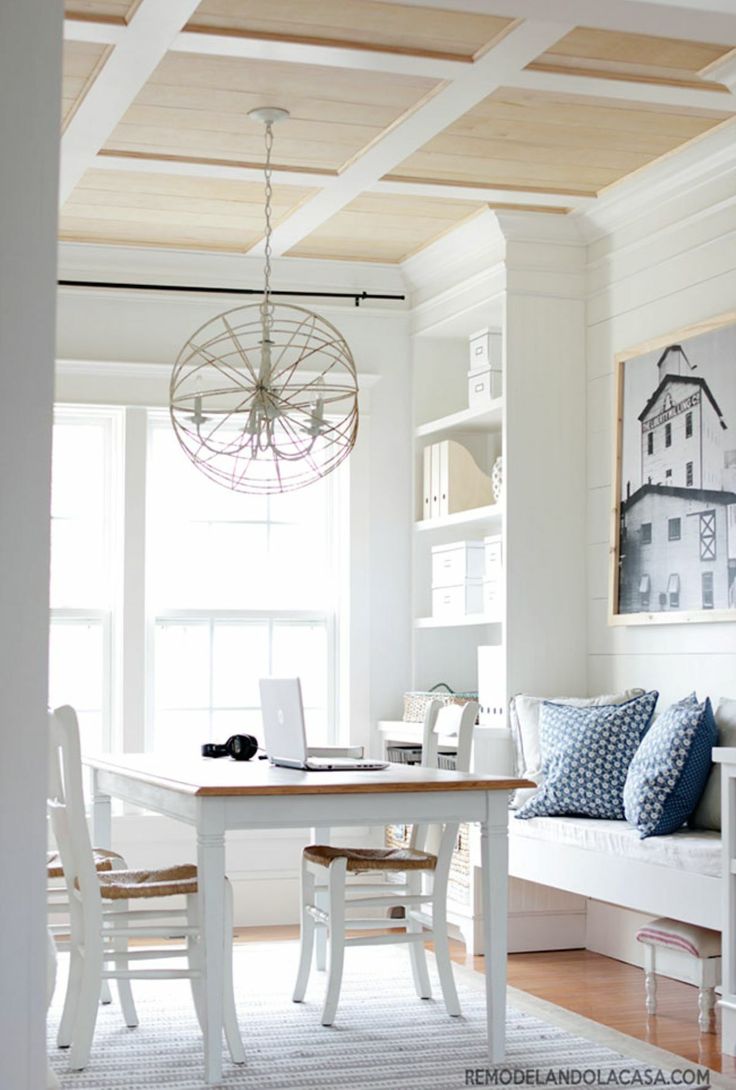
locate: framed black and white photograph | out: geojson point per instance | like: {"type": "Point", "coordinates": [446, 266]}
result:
{"type": "Point", "coordinates": [674, 524]}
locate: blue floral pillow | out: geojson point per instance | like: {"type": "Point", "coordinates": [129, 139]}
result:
{"type": "Point", "coordinates": [669, 771]}
{"type": "Point", "coordinates": [586, 753]}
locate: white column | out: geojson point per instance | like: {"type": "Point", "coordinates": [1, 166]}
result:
{"type": "Point", "coordinates": [30, 80]}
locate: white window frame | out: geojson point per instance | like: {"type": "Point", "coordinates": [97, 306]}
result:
{"type": "Point", "coordinates": [111, 417]}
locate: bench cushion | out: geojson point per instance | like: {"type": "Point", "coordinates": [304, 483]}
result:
{"type": "Point", "coordinates": [690, 850]}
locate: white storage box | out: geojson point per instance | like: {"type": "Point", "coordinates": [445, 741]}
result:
{"type": "Point", "coordinates": [483, 387]}
{"type": "Point", "coordinates": [491, 687]}
{"type": "Point", "coordinates": [493, 557]}
{"type": "Point", "coordinates": [485, 351]}
{"type": "Point", "coordinates": [493, 599]}
{"type": "Point", "coordinates": [458, 601]}
{"type": "Point", "coordinates": [453, 564]}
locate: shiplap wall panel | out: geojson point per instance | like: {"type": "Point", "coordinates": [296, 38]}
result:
{"type": "Point", "coordinates": [613, 53]}
{"type": "Point", "coordinates": [649, 283]}
{"type": "Point", "coordinates": [360, 22]}
{"type": "Point", "coordinates": [197, 106]}
{"type": "Point", "coordinates": [532, 139]}
{"type": "Point", "coordinates": [81, 61]}
{"type": "Point", "coordinates": [152, 209]}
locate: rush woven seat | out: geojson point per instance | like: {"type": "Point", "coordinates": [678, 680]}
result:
{"type": "Point", "coordinates": [103, 862]}
{"type": "Point", "coordinates": [124, 885]}
{"type": "Point", "coordinates": [367, 859]}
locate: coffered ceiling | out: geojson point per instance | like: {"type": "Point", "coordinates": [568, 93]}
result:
{"type": "Point", "coordinates": [406, 118]}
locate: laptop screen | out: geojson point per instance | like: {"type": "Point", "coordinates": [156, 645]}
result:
{"type": "Point", "coordinates": [283, 719]}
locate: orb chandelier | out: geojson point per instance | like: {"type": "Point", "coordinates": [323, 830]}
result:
{"type": "Point", "coordinates": [264, 398]}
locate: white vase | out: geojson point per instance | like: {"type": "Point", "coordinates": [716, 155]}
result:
{"type": "Point", "coordinates": [497, 479]}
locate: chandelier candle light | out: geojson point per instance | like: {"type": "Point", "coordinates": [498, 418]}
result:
{"type": "Point", "coordinates": [264, 398]}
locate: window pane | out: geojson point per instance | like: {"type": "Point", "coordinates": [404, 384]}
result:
{"type": "Point", "coordinates": [211, 548]}
{"type": "Point", "coordinates": [242, 721]}
{"type": "Point", "coordinates": [240, 658]}
{"type": "Point", "coordinates": [182, 666]}
{"type": "Point", "coordinates": [77, 669]}
{"type": "Point", "coordinates": [182, 731]}
{"type": "Point", "coordinates": [300, 650]}
{"type": "Point", "coordinates": [80, 510]}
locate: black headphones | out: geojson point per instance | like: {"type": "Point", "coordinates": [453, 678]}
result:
{"type": "Point", "coordinates": [241, 747]}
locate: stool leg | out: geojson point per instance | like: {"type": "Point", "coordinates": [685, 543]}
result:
{"type": "Point", "coordinates": [650, 981]}
{"type": "Point", "coordinates": [706, 1003]}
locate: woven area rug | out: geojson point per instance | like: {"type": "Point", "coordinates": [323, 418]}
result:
{"type": "Point", "coordinates": [384, 1038]}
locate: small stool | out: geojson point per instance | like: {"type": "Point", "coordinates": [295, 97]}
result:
{"type": "Point", "coordinates": [686, 952]}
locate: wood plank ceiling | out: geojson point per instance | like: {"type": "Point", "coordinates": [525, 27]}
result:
{"type": "Point", "coordinates": [180, 165]}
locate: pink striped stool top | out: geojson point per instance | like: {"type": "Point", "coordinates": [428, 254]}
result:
{"type": "Point", "coordinates": [696, 941]}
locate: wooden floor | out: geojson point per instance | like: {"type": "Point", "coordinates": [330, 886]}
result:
{"type": "Point", "coordinates": [607, 991]}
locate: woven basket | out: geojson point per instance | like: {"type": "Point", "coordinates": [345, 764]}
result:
{"type": "Point", "coordinates": [415, 703]}
{"type": "Point", "coordinates": [458, 886]}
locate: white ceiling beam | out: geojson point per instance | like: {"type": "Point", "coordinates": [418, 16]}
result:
{"type": "Point", "coordinates": [395, 186]}
{"type": "Point", "coordinates": [88, 30]}
{"type": "Point", "coordinates": [711, 21]}
{"type": "Point", "coordinates": [479, 80]}
{"type": "Point", "coordinates": [634, 91]}
{"type": "Point", "coordinates": [147, 38]}
{"type": "Point", "coordinates": [333, 56]}
{"type": "Point", "coordinates": [235, 172]}
{"type": "Point", "coordinates": [488, 194]}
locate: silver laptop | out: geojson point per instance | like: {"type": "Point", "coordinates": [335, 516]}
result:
{"type": "Point", "coordinates": [286, 739]}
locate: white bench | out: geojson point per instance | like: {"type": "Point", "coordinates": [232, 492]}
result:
{"type": "Point", "coordinates": [607, 861]}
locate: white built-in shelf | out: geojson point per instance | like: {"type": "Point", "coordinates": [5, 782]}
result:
{"type": "Point", "coordinates": [485, 419]}
{"type": "Point", "coordinates": [466, 621]}
{"type": "Point", "coordinates": [492, 513]}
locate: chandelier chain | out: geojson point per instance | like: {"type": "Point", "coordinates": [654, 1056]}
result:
{"type": "Point", "coordinates": [267, 305]}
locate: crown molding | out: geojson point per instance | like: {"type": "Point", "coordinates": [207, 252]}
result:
{"type": "Point", "coordinates": [635, 197]}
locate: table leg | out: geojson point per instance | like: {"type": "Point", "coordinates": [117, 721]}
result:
{"type": "Point", "coordinates": [211, 882]}
{"type": "Point", "coordinates": [321, 835]}
{"type": "Point", "coordinates": [494, 876]}
{"type": "Point", "coordinates": [101, 816]}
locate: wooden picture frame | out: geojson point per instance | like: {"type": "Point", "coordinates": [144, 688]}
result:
{"type": "Point", "coordinates": [673, 519]}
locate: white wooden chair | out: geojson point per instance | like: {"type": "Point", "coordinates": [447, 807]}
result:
{"type": "Point", "coordinates": [99, 938]}
{"type": "Point", "coordinates": [412, 864]}
{"type": "Point", "coordinates": [57, 904]}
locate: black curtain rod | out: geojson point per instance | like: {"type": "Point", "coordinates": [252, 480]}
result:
{"type": "Point", "coordinates": [358, 296]}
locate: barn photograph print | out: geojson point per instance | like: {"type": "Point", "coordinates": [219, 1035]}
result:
{"type": "Point", "coordinates": [674, 532]}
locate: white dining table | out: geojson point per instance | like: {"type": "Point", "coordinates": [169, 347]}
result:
{"type": "Point", "coordinates": [218, 796]}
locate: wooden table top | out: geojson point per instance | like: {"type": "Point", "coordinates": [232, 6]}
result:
{"type": "Point", "coordinates": [206, 776]}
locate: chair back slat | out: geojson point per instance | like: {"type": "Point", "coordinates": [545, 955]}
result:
{"type": "Point", "coordinates": [444, 720]}
{"type": "Point", "coordinates": [66, 809]}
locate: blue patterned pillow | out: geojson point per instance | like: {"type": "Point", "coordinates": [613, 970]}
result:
{"type": "Point", "coordinates": [586, 753]}
{"type": "Point", "coordinates": [669, 771]}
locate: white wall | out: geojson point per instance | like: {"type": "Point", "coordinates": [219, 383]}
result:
{"type": "Point", "coordinates": [670, 269]}
{"type": "Point", "coordinates": [671, 266]}
{"type": "Point", "coordinates": [30, 73]}
{"type": "Point", "coordinates": [141, 328]}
